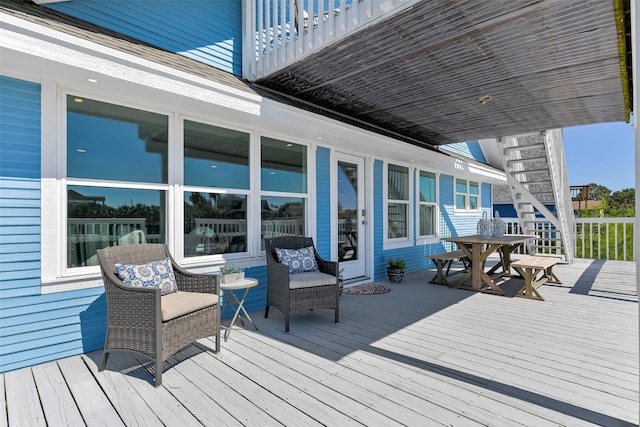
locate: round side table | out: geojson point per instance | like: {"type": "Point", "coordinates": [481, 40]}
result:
{"type": "Point", "coordinates": [230, 293]}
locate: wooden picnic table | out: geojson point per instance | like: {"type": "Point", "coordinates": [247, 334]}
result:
{"type": "Point", "coordinates": [478, 248]}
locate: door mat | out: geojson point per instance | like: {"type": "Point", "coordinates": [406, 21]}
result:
{"type": "Point", "coordinates": [367, 289]}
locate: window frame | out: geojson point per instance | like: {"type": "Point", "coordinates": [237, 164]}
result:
{"type": "Point", "coordinates": [468, 195]}
{"type": "Point", "coordinates": [309, 179]}
{"type": "Point", "coordinates": [428, 238]}
{"type": "Point", "coordinates": [185, 188]}
{"type": "Point", "coordinates": [408, 240]}
{"type": "Point", "coordinates": [63, 271]}
{"type": "Point", "coordinates": [56, 277]}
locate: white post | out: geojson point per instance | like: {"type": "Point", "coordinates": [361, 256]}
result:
{"type": "Point", "coordinates": [635, 39]}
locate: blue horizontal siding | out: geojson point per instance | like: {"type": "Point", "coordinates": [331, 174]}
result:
{"type": "Point", "coordinates": [209, 31]}
{"type": "Point", "coordinates": [379, 261]}
{"type": "Point", "coordinates": [470, 149]}
{"type": "Point", "coordinates": [450, 225]}
{"type": "Point", "coordinates": [323, 202]}
{"type": "Point", "coordinates": [35, 328]}
{"type": "Point", "coordinates": [19, 130]}
{"type": "Point", "coordinates": [40, 328]}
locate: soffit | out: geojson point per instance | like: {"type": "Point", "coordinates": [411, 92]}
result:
{"type": "Point", "coordinates": [443, 72]}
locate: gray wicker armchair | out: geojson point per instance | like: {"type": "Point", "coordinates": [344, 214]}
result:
{"type": "Point", "coordinates": [142, 320]}
{"type": "Point", "coordinates": [295, 293]}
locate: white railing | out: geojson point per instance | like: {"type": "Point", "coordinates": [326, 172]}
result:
{"type": "Point", "coordinates": [282, 227]}
{"type": "Point", "coordinates": [86, 235]}
{"type": "Point", "coordinates": [216, 236]}
{"type": "Point", "coordinates": [280, 32]}
{"type": "Point", "coordinates": [605, 238]}
{"type": "Point", "coordinates": [595, 238]}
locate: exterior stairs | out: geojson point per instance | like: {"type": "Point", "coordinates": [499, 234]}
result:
{"type": "Point", "coordinates": [536, 176]}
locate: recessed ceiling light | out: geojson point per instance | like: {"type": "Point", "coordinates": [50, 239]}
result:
{"type": "Point", "coordinates": [78, 100]}
{"type": "Point", "coordinates": [213, 166]}
{"type": "Point", "coordinates": [273, 173]}
{"type": "Point", "coordinates": [92, 80]}
{"type": "Point", "coordinates": [319, 137]}
{"type": "Point", "coordinates": [289, 145]}
{"type": "Point", "coordinates": [81, 150]}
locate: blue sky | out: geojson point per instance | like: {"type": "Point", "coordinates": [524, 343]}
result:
{"type": "Point", "coordinates": [602, 153]}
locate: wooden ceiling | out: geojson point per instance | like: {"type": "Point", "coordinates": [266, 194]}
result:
{"type": "Point", "coordinates": [443, 71]}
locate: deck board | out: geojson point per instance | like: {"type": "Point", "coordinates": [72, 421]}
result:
{"type": "Point", "coordinates": [421, 354]}
{"type": "Point", "coordinates": [94, 405]}
{"type": "Point", "coordinates": [61, 409]}
{"type": "Point", "coordinates": [23, 406]}
{"type": "Point", "coordinates": [3, 407]}
{"type": "Point", "coordinates": [169, 410]}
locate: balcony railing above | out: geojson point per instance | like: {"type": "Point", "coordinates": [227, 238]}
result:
{"type": "Point", "coordinates": [280, 32]}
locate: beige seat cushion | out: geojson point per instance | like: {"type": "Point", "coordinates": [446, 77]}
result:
{"type": "Point", "coordinates": [310, 279]}
{"type": "Point", "coordinates": [180, 303]}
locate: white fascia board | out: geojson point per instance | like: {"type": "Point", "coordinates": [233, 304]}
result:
{"type": "Point", "coordinates": [349, 138]}
{"type": "Point", "coordinates": [491, 152]}
{"type": "Point", "coordinates": [44, 43]}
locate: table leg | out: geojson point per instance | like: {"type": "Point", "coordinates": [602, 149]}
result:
{"type": "Point", "coordinates": [232, 298]}
{"type": "Point", "coordinates": [478, 257]}
{"type": "Point", "coordinates": [505, 259]}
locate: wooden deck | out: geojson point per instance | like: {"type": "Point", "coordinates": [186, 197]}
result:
{"type": "Point", "coordinates": [420, 355]}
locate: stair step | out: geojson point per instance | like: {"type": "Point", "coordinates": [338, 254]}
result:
{"type": "Point", "coordinates": [527, 160]}
{"type": "Point", "coordinates": [523, 147]}
{"type": "Point", "coordinates": [533, 170]}
{"type": "Point", "coordinates": [541, 192]}
{"type": "Point", "coordinates": [538, 173]}
{"type": "Point", "coordinates": [536, 181]}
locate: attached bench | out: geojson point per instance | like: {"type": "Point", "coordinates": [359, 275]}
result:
{"type": "Point", "coordinates": [445, 259]}
{"type": "Point", "coordinates": [529, 268]}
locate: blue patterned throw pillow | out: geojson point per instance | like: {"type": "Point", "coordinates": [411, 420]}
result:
{"type": "Point", "coordinates": [156, 274]}
{"type": "Point", "coordinates": [298, 260]}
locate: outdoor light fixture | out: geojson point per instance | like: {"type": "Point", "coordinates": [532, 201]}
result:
{"type": "Point", "coordinates": [92, 80]}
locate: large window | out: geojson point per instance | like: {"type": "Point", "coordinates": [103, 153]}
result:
{"type": "Point", "coordinates": [467, 195]}
{"type": "Point", "coordinates": [116, 177]}
{"type": "Point", "coordinates": [284, 187]}
{"type": "Point", "coordinates": [216, 169]}
{"type": "Point", "coordinates": [129, 178]}
{"type": "Point", "coordinates": [427, 204]}
{"type": "Point", "coordinates": [398, 203]}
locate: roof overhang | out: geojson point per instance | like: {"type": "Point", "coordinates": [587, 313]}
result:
{"type": "Point", "coordinates": [439, 73]}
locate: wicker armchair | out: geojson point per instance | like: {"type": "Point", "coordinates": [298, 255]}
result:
{"type": "Point", "coordinates": [299, 297]}
{"type": "Point", "coordinates": [142, 320]}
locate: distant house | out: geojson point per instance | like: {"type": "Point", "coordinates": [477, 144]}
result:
{"type": "Point", "coordinates": [588, 208]}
